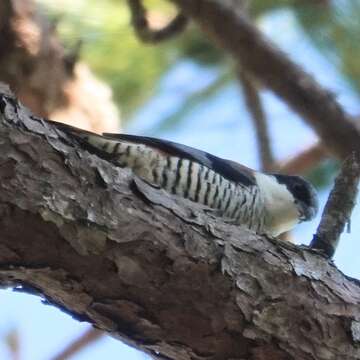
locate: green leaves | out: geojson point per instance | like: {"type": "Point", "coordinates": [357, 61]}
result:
{"type": "Point", "coordinates": [110, 47]}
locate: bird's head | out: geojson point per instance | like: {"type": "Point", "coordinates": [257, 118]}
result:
{"type": "Point", "coordinates": [304, 193]}
{"type": "Point", "coordinates": [288, 201]}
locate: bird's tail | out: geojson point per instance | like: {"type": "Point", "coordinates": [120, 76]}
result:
{"type": "Point", "coordinates": [72, 130]}
{"type": "Point", "coordinates": [89, 140]}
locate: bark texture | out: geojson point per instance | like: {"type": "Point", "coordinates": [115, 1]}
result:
{"type": "Point", "coordinates": [156, 271]}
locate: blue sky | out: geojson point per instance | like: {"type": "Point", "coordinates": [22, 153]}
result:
{"type": "Point", "coordinates": [224, 128]}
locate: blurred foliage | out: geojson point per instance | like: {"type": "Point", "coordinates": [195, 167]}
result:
{"type": "Point", "coordinates": [260, 7]}
{"type": "Point", "coordinates": [335, 29]}
{"type": "Point", "coordinates": [110, 47]}
{"type": "Point", "coordinates": [191, 101]}
{"type": "Point", "coordinates": [134, 69]}
{"type": "Point", "coordinates": [322, 176]}
{"type": "Point", "coordinates": [195, 46]}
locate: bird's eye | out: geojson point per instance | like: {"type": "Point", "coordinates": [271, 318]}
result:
{"type": "Point", "coordinates": [301, 192]}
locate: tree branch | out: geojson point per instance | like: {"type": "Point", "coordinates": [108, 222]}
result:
{"type": "Point", "coordinates": [257, 55]}
{"type": "Point", "coordinates": [154, 269]}
{"type": "Point", "coordinates": [304, 161]}
{"type": "Point", "coordinates": [253, 103]}
{"type": "Point", "coordinates": [88, 337]}
{"type": "Point", "coordinates": [143, 30]}
{"type": "Point", "coordinates": [338, 208]}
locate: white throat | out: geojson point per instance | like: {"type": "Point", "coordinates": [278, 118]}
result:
{"type": "Point", "coordinates": [281, 211]}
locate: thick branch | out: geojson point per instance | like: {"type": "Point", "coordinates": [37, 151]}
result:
{"type": "Point", "coordinates": [260, 57]}
{"type": "Point", "coordinates": [154, 270]}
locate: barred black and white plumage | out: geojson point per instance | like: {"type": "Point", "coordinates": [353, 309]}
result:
{"type": "Point", "coordinates": [265, 203]}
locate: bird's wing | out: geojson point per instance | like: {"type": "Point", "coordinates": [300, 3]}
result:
{"type": "Point", "coordinates": [231, 170]}
{"type": "Point", "coordinates": [227, 168]}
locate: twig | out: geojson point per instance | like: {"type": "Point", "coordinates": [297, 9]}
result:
{"type": "Point", "coordinates": [304, 161]}
{"type": "Point", "coordinates": [338, 208]}
{"type": "Point", "coordinates": [12, 340]}
{"type": "Point", "coordinates": [265, 61]}
{"type": "Point", "coordinates": [253, 103]}
{"type": "Point", "coordinates": [85, 339]}
{"type": "Point", "coordinates": [142, 28]}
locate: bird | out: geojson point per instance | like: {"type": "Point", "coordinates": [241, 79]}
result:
{"type": "Point", "coordinates": [266, 203]}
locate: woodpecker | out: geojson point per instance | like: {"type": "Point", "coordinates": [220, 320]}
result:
{"type": "Point", "coordinates": [263, 202]}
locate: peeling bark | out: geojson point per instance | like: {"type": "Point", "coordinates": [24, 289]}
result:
{"type": "Point", "coordinates": [156, 271]}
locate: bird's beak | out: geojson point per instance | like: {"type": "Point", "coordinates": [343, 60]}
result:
{"type": "Point", "coordinates": [307, 212]}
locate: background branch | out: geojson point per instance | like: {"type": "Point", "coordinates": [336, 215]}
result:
{"type": "Point", "coordinates": [88, 337]}
{"type": "Point", "coordinates": [255, 108]}
{"type": "Point", "coordinates": [50, 82]}
{"type": "Point", "coordinates": [257, 55]}
{"type": "Point", "coordinates": [142, 27]}
{"type": "Point", "coordinates": [304, 161]}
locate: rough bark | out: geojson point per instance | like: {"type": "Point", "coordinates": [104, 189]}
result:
{"type": "Point", "coordinates": [226, 22]}
{"type": "Point", "coordinates": [156, 271]}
